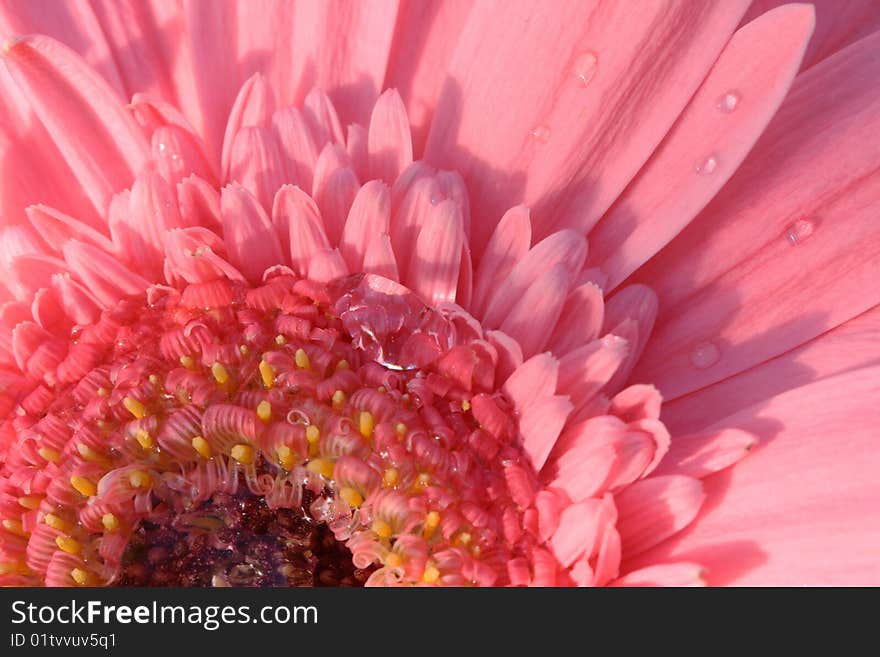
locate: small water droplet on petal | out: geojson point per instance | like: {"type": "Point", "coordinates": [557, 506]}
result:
{"type": "Point", "coordinates": [541, 133]}
{"type": "Point", "coordinates": [728, 102]}
{"type": "Point", "coordinates": [799, 231]}
{"type": "Point", "coordinates": [705, 355]}
{"type": "Point", "coordinates": [706, 167]}
{"type": "Point", "coordinates": [585, 66]}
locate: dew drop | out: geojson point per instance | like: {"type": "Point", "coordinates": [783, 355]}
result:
{"type": "Point", "coordinates": [799, 232]}
{"type": "Point", "coordinates": [707, 166]}
{"type": "Point", "coordinates": [728, 102]}
{"type": "Point", "coordinates": [705, 355]}
{"type": "Point", "coordinates": [585, 66]}
{"type": "Point", "coordinates": [541, 133]}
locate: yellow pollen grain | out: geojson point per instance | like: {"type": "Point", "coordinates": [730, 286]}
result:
{"type": "Point", "coordinates": [188, 362]}
{"type": "Point", "coordinates": [338, 399]}
{"type": "Point", "coordinates": [264, 411]}
{"type": "Point", "coordinates": [154, 380]}
{"type": "Point", "coordinates": [57, 522]}
{"type": "Point", "coordinates": [30, 501]}
{"type": "Point", "coordinates": [432, 521]}
{"type": "Point", "coordinates": [422, 481]}
{"type": "Point", "coordinates": [465, 406]}
{"type": "Point", "coordinates": [134, 407]}
{"type": "Point", "coordinates": [83, 486]}
{"type": "Point", "coordinates": [431, 574]}
{"type": "Point", "coordinates": [286, 457]}
{"type": "Point", "coordinates": [280, 340]}
{"type": "Point", "coordinates": [381, 528]}
{"type": "Point", "coordinates": [323, 467]}
{"type": "Point", "coordinates": [49, 454]}
{"type": "Point", "coordinates": [80, 576]}
{"type": "Point", "coordinates": [110, 522]}
{"type": "Point", "coordinates": [391, 477]}
{"type": "Point", "coordinates": [140, 479]}
{"type": "Point", "coordinates": [342, 365]}
{"type": "Point", "coordinates": [69, 545]}
{"type": "Point", "coordinates": [243, 349]}
{"type": "Point", "coordinates": [242, 453]}
{"type": "Point", "coordinates": [313, 434]}
{"type": "Point", "coordinates": [393, 560]}
{"type": "Point", "coordinates": [201, 446]}
{"type": "Point", "coordinates": [381, 389]}
{"type": "Point", "coordinates": [401, 430]}
{"type": "Point", "coordinates": [144, 439]}
{"type": "Point", "coordinates": [302, 359]}
{"type": "Point", "coordinates": [366, 423]}
{"type": "Point", "coordinates": [463, 539]}
{"type": "Point", "coordinates": [351, 497]}
{"type": "Point", "coordinates": [102, 392]}
{"type": "Point", "coordinates": [89, 454]}
{"type": "Point", "coordinates": [219, 372]}
{"type": "Point", "coordinates": [15, 527]}
{"type": "Point", "coordinates": [267, 373]}
{"type": "Point", "coordinates": [14, 567]}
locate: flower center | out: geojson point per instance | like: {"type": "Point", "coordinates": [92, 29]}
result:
{"type": "Point", "coordinates": [292, 433]}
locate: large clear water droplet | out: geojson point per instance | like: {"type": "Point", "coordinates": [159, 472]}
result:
{"type": "Point", "coordinates": [541, 133]}
{"type": "Point", "coordinates": [728, 102]}
{"type": "Point", "coordinates": [585, 66]}
{"type": "Point", "coordinates": [705, 355]}
{"type": "Point", "coordinates": [706, 167]}
{"type": "Point", "coordinates": [390, 324]}
{"type": "Point", "coordinates": [799, 232]}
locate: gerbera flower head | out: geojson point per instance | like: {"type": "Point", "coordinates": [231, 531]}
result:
{"type": "Point", "coordinates": [296, 354]}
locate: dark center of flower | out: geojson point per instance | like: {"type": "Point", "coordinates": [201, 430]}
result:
{"type": "Point", "coordinates": [282, 435]}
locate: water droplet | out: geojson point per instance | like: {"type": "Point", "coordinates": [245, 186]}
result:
{"type": "Point", "coordinates": [707, 166]}
{"type": "Point", "coordinates": [799, 231]}
{"type": "Point", "coordinates": [705, 355]}
{"type": "Point", "coordinates": [162, 147]}
{"type": "Point", "coordinates": [541, 133]}
{"type": "Point", "coordinates": [585, 66]}
{"type": "Point", "coordinates": [390, 324]}
{"type": "Point", "coordinates": [728, 102]}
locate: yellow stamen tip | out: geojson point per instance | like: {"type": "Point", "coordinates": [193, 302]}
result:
{"type": "Point", "coordinates": [432, 521]}
{"type": "Point", "coordinates": [267, 372]}
{"type": "Point", "coordinates": [188, 362]}
{"type": "Point", "coordinates": [140, 479]}
{"type": "Point", "coordinates": [80, 576]}
{"type": "Point", "coordinates": [69, 545]}
{"type": "Point", "coordinates": [51, 455]}
{"type": "Point", "coordinates": [243, 349]}
{"type": "Point", "coordinates": [57, 522]}
{"type": "Point", "coordinates": [30, 502]}
{"type": "Point", "coordinates": [264, 411]}
{"type": "Point", "coordinates": [110, 522]}
{"type": "Point", "coordinates": [422, 481]}
{"type": "Point", "coordinates": [390, 477]}
{"type": "Point", "coordinates": [145, 439]}
{"type": "Point", "coordinates": [465, 405]}
{"type": "Point", "coordinates": [313, 434]}
{"type": "Point", "coordinates": [431, 575]}
{"type": "Point", "coordinates": [393, 560]}
{"type": "Point", "coordinates": [134, 407]}
{"type": "Point", "coordinates": [83, 486]}
{"type": "Point", "coordinates": [280, 340]}
{"type": "Point", "coordinates": [302, 359]}
{"type": "Point", "coordinates": [400, 429]}
{"type": "Point", "coordinates": [102, 392]}
{"type": "Point", "coordinates": [89, 454]}
{"type": "Point", "coordinates": [366, 423]}
{"type": "Point", "coordinates": [242, 453]}
{"type": "Point", "coordinates": [463, 539]}
{"type": "Point", "coordinates": [381, 528]}
{"type": "Point", "coordinates": [342, 365]}
{"type": "Point", "coordinates": [202, 446]}
{"type": "Point", "coordinates": [286, 457]}
{"type": "Point", "coordinates": [154, 379]}
{"type": "Point", "coordinates": [323, 467]}
{"type": "Point", "coordinates": [351, 497]}
{"type": "Point", "coordinates": [15, 527]}
{"type": "Point", "coordinates": [219, 372]}
{"type": "Point", "coordinates": [338, 398]}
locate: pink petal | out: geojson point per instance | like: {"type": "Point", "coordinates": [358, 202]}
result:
{"type": "Point", "coordinates": [579, 526]}
{"type": "Point", "coordinates": [253, 106]}
{"type": "Point", "coordinates": [256, 164]}
{"type": "Point", "coordinates": [368, 219]}
{"type": "Point", "coordinates": [540, 425]}
{"type": "Point", "coordinates": [100, 141]}
{"type": "Point", "coordinates": [389, 143]}
{"type": "Point", "coordinates": [334, 188]}
{"type": "Point", "coordinates": [580, 321]}
{"type": "Point", "coordinates": [298, 146]}
{"type": "Point", "coordinates": [380, 259]}
{"type": "Point", "coordinates": [102, 274]}
{"type": "Point", "coordinates": [251, 240]}
{"type": "Point", "coordinates": [585, 371]}
{"type": "Point", "coordinates": [535, 314]}
{"type": "Point", "coordinates": [323, 119]}
{"type": "Point", "coordinates": [178, 154]}
{"type": "Point", "coordinates": [656, 508]}
{"type": "Point", "coordinates": [508, 245]}
{"type": "Point", "coordinates": [723, 120]}
{"type": "Point", "coordinates": [436, 261]}
{"type": "Point", "coordinates": [804, 201]}
{"type": "Point", "coordinates": [326, 266]}
{"type": "Point", "coordinates": [296, 209]}
{"type": "Point", "coordinates": [199, 203]}
{"type": "Point", "coordinates": [534, 379]}
{"type": "Point", "coordinates": [802, 508]}
{"type": "Point", "coordinates": [563, 118]}
{"type": "Point", "coordinates": [667, 574]}
{"type": "Point", "coordinates": [699, 455]}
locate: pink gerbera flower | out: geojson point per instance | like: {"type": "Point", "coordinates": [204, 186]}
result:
{"type": "Point", "coordinates": [317, 306]}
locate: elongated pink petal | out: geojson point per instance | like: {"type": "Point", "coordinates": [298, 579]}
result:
{"type": "Point", "coordinates": [656, 508]}
{"type": "Point", "coordinates": [436, 261]}
{"type": "Point", "coordinates": [256, 164]}
{"type": "Point", "coordinates": [298, 146]}
{"type": "Point", "coordinates": [334, 189]}
{"type": "Point", "coordinates": [535, 314]}
{"type": "Point", "coordinates": [607, 72]}
{"type": "Point", "coordinates": [586, 370]}
{"type": "Point", "coordinates": [368, 219]}
{"type": "Point", "coordinates": [101, 273]}
{"type": "Point", "coordinates": [717, 129]}
{"type": "Point", "coordinates": [508, 245]}
{"type": "Point", "coordinates": [532, 380]}
{"type": "Point", "coordinates": [580, 321]}
{"type": "Point", "coordinates": [540, 425]}
{"type": "Point", "coordinates": [804, 201]}
{"type": "Point", "coordinates": [699, 455]}
{"type": "Point", "coordinates": [380, 258]}
{"type": "Point", "coordinates": [801, 509]}
{"type": "Point", "coordinates": [666, 574]}
{"type": "Point", "coordinates": [178, 154]}
{"type": "Point", "coordinates": [251, 240]}
{"type": "Point", "coordinates": [199, 203]}
{"type": "Point", "coordinates": [389, 143]}
{"type": "Point", "coordinates": [253, 106]}
{"type": "Point", "coordinates": [296, 210]}
{"type": "Point", "coordinates": [99, 139]}
{"type": "Point", "coordinates": [630, 313]}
